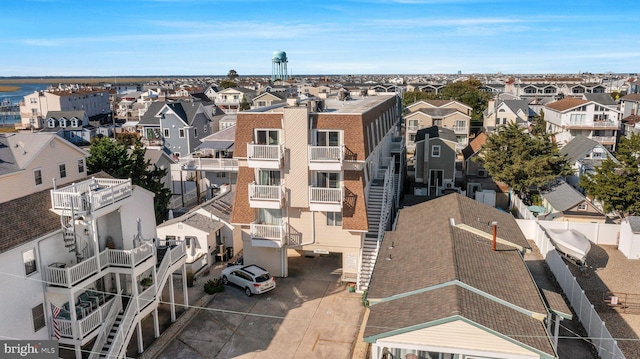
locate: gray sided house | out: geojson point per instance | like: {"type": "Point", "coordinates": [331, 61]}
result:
{"type": "Point", "coordinates": [584, 155]}
{"type": "Point", "coordinates": [178, 126]}
{"type": "Point", "coordinates": [435, 160]}
{"type": "Point", "coordinates": [73, 126]}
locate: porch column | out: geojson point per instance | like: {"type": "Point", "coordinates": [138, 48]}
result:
{"type": "Point", "coordinates": [556, 331]}
{"type": "Point", "coordinates": [119, 290]}
{"type": "Point", "coordinates": [156, 324]}
{"type": "Point", "coordinates": [78, 349]}
{"type": "Point", "coordinates": [172, 300]}
{"type": "Point", "coordinates": [184, 287]}
{"type": "Point", "coordinates": [140, 341]}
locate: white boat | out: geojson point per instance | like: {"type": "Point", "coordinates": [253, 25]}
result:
{"type": "Point", "coordinates": [571, 243]}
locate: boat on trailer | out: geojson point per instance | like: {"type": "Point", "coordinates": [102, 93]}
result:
{"type": "Point", "coordinates": [572, 244]}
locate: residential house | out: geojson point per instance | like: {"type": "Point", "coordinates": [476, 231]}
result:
{"type": "Point", "coordinates": [564, 203]}
{"type": "Point", "coordinates": [206, 231]}
{"type": "Point", "coordinates": [571, 117]}
{"type": "Point", "coordinates": [211, 166]}
{"type": "Point", "coordinates": [453, 115]}
{"type": "Point", "coordinates": [211, 92]}
{"type": "Point", "coordinates": [439, 290]}
{"type": "Point", "coordinates": [230, 99]}
{"type": "Point", "coordinates": [178, 127]}
{"type": "Point", "coordinates": [268, 99]}
{"type": "Point", "coordinates": [435, 161]}
{"type": "Point", "coordinates": [630, 108]}
{"type": "Point", "coordinates": [504, 112]}
{"type": "Point", "coordinates": [476, 177]}
{"type": "Point", "coordinates": [35, 107]}
{"type": "Point", "coordinates": [584, 155]}
{"type": "Point", "coordinates": [31, 162]}
{"type": "Point", "coordinates": [318, 182]}
{"type": "Point", "coordinates": [75, 255]}
{"type": "Point", "coordinates": [604, 99]}
{"type": "Point", "coordinates": [73, 126]}
{"type": "Point", "coordinates": [158, 158]}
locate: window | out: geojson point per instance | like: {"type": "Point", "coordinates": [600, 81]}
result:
{"type": "Point", "coordinates": [195, 132]}
{"type": "Point", "coordinates": [435, 151]}
{"type": "Point", "coordinates": [262, 103]}
{"type": "Point", "coordinates": [413, 124]}
{"type": "Point", "coordinates": [221, 174]}
{"type": "Point", "coordinates": [328, 179]}
{"type": "Point", "coordinates": [165, 132]}
{"type": "Point", "coordinates": [37, 174]}
{"type": "Point", "coordinates": [267, 137]}
{"type": "Point", "coordinates": [328, 138]}
{"type": "Point", "coordinates": [268, 177]}
{"type": "Point", "coordinates": [29, 260]}
{"type": "Point", "coordinates": [334, 218]}
{"type": "Point", "coordinates": [81, 165]}
{"type": "Point", "coordinates": [63, 170]}
{"type": "Point", "coordinates": [74, 123]}
{"type": "Point", "coordinates": [412, 137]}
{"type": "Point", "coordinates": [437, 122]}
{"type": "Point", "coordinates": [37, 313]}
{"type": "Point", "coordinates": [51, 123]}
{"type": "Point", "coordinates": [33, 100]}
{"type": "Point", "coordinates": [181, 133]}
{"type": "Point", "coordinates": [582, 207]}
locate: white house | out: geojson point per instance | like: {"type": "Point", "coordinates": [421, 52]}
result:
{"type": "Point", "coordinates": [629, 243]}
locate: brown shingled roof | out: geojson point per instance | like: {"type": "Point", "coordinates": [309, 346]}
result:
{"type": "Point", "coordinates": [566, 104]}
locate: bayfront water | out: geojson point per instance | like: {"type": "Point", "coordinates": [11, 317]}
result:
{"type": "Point", "coordinates": [16, 97]}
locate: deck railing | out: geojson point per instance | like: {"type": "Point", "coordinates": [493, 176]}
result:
{"type": "Point", "coordinates": [68, 276]}
{"type": "Point", "coordinates": [264, 152]}
{"type": "Point", "coordinates": [326, 153]}
{"type": "Point", "coordinates": [90, 195]}
{"type": "Point", "coordinates": [224, 164]}
{"type": "Point", "coordinates": [86, 324]}
{"type": "Point", "coordinates": [109, 319]}
{"type": "Point", "coordinates": [265, 192]}
{"type": "Point", "coordinates": [325, 195]}
{"type": "Point", "coordinates": [268, 231]}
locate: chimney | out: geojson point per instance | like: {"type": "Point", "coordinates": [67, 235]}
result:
{"type": "Point", "coordinates": [495, 235]}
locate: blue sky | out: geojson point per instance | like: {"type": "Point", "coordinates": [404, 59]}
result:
{"type": "Point", "coordinates": [210, 37]}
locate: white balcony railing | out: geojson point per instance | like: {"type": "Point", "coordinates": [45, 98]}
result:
{"type": "Point", "coordinates": [268, 231]}
{"type": "Point", "coordinates": [265, 152]}
{"type": "Point", "coordinates": [147, 296]}
{"type": "Point", "coordinates": [325, 195]}
{"type": "Point", "coordinates": [604, 139]}
{"type": "Point", "coordinates": [200, 163]}
{"type": "Point", "coordinates": [90, 195]}
{"type": "Point", "coordinates": [326, 153]}
{"type": "Point", "coordinates": [87, 323]}
{"type": "Point", "coordinates": [262, 194]}
{"type": "Point", "coordinates": [460, 129]}
{"type": "Point", "coordinates": [592, 124]}
{"type": "Point", "coordinates": [68, 276]}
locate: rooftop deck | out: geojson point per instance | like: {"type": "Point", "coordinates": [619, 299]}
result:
{"type": "Point", "coordinates": [90, 195]}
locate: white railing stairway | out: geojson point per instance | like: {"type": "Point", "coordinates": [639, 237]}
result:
{"type": "Point", "coordinates": [101, 338]}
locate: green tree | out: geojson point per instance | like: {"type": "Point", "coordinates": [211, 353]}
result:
{"type": "Point", "coordinates": [232, 75]}
{"type": "Point", "coordinates": [244, 104]}
{"type": "Point", "coordinates": [121, 161]}
{"type": "Point", "coordinates": [522, 161]}
{"type": "Point", "coordinates": [469, 93]}
{"type": "Point", "coordinates": [616, 183]}
{"type": "Point", "coordinates": [227, 84]}
{"type": "Point", "coordinates": [410, 97]}
{"type": "Point", "coordinates": [539, 126]}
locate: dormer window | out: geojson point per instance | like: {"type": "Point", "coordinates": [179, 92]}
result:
{"type": "Point", "coordinates": [74, 122]}
{"type": "Point", "coordinates": [51, 123]}
{"type": "Point", "coordinates": [63, 123]}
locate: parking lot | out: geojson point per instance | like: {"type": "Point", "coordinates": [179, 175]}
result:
{"type": "Point", "coordinates": [310, 314]}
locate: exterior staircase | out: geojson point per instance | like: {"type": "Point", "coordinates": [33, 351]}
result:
{"type": "Point", "coordinates": [111, 336]}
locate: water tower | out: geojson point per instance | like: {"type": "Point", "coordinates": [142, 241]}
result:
{"type": "Point", "coordinates": [279, 66]}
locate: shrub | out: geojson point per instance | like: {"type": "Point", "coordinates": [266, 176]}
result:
{"type": "Point", "coordinates": [213, 286]}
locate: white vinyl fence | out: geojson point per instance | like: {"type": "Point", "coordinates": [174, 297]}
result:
{"type": "Point", "coordinates": [600, 337]}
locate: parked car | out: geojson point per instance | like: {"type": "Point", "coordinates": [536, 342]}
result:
{"type": "Point", "coordinates": [252, 278]}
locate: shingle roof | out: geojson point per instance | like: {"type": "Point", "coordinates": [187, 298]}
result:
{"type": "Point", "coordinates": [149, 117]}
{"type": "Point", "coordinates": [474, 145]}
{"type": "Point", "coordinates": [435, 131]}
{"type": "Point", "coordinates": [433, 264]}
{"type": "Point", "coordinates": [577, 148]}
{"type": "Point", "coordinates": [631, 97]}
{"type": "Point", "coordinates": [566, 104]}
{"type": "Point", "coordinates": [634, 222]}
{"type": "Point", "coordinates": [562, 196]}
{"type": "Point", "coordinates": [27, 218]}
{"type": "Point", "coordinates": [438, 112]}
{"type": "Point", "coordinates": [601, 98]}
{"type": "Point", "coordinates": [520, 105]}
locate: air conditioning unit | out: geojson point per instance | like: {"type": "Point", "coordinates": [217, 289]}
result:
{"type": "Point", "coordinates": [482, 173]}
{"type": "Point", "coordinates": [448, 184]}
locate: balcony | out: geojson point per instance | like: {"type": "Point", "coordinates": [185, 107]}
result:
{"type": "Point", "coordinates": [152, 141]}
{"type": "Point", "coordinates": [265, 196]}
{"type": "Point", "coordinates": [325, 199]}
{"type": "Point", "coordinates": [605, 140]}
{"type": "Point", "coordinates": [208, 164]}
{"type": "Point", "coordinates": [600, 125]}
{"type": "Point", "coordinates": [326, 158]}
{"type": "Point", "coordinates": [464, 130]}
{"type": "Point", "coordinates": [59, 274]}
{"type": "Point", "coordinates": [268, 235]}
{"type": "Point", "coordinates": [397, 144]}
{"type": "Point", "coordinates": [265, 156]}
{"type": "Point", "coordinates": [90, 195]}
{"type": "Point", "coordinates": [89, 321]}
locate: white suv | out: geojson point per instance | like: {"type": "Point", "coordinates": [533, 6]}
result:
{"type": "Point", "coordinates": [252, 278]}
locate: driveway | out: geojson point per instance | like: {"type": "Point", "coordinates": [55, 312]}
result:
{"type": "Point", "coordinates": [309, 315]}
